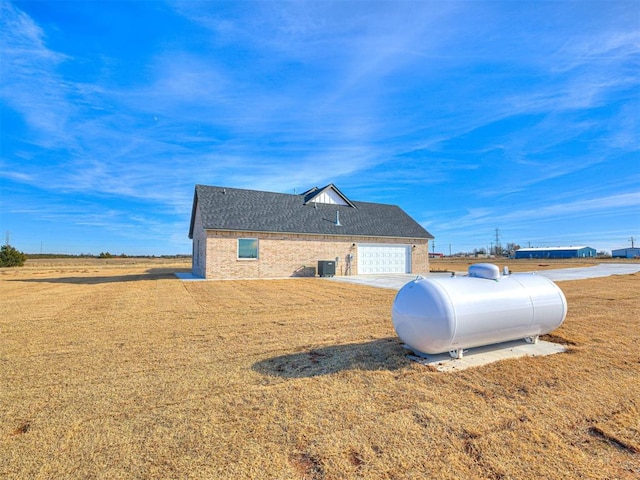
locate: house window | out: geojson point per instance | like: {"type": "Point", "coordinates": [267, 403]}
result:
{"type": "Point", "coordinates": [247, 248]}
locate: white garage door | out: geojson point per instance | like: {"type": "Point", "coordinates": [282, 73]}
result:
{"type": "Point", "coordinates": [384, 259]}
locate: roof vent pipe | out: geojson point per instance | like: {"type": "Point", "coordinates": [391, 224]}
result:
{"type": "Point", "coordinates": [338, 219]}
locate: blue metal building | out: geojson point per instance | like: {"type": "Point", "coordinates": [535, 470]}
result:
{"type": "Point", "coordinates": [556, 252]}
{"type": "Point", "coordinates": [626, 253]}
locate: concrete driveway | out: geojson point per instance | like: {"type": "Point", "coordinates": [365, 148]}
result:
{"type": "Point", "coordinates": [398, 280]}
{"type": "Point", "coordinates": [601, 270]}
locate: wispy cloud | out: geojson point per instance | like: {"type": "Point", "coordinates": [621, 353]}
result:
{"type": "Point", "coordinates": [562, 209]}
{"type": "Point", "coordinates": [29, 82]}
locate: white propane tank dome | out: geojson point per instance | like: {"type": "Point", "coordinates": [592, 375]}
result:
{"type": "Point", "coordinates": [484, 270]}
{"type": "Point", "coordinates": [447, 314]}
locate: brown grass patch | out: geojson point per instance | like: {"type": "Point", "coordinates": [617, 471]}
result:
{"type": "Point", "coordinates": [21, 429]}
{"type": "Point", "coordinates": [124, 371]}
{"type": "Point", "coordinates": [621, 427]}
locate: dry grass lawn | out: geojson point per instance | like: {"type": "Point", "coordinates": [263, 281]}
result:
{"type": "Point", "coordinates": [120, 370]}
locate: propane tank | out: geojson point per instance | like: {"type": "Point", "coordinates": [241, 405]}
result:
{"type": "Point", "coordinates": [448, 314]}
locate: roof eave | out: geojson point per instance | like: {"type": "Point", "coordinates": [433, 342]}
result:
{"type": "Point", "coordinates": [193, 212]}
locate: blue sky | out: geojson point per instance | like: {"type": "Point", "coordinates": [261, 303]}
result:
{"type": "Point", "coordinates": [471, 115]}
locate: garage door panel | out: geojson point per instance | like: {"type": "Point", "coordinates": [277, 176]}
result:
{"type": "Point", "coordinates": [383, 259]}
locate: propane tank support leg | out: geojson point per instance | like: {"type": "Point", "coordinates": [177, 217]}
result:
{"type": "Point", "coordinates": [533, 339]}
{"type": "Point", "coordinates": [456, 353]}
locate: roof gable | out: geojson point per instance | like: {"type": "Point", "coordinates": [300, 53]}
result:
{"type": "Point", "coordinates": [329, 195]}
{"type": "Point", "coordinates": [236, 209]}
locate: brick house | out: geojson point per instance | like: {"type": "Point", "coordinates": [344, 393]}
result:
{"type": "Point", "coordinates": [241, 233]}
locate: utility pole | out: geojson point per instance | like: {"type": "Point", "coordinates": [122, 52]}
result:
{"type": "Point", "coordinates": [631, 240]}
{"type": "Point", "coordinates": [8, 237]}
{"type": "Point", "coordinates": [498, 247]}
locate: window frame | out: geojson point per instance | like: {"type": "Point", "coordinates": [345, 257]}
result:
{"type": "Point", "coordinates": [253, 239]}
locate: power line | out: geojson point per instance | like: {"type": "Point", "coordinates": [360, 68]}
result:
{"type": "Point", "coordinates": [498, 248]}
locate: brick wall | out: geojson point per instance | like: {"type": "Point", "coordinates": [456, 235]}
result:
{"type": "Point", "coordinates": [199, 248]}
{"type": "Point", "coordinates": [290, 255]}
{"type": "Point", "coordinates": [420, 256]}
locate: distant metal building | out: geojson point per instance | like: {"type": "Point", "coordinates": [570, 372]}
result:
{"type": "Point", "coordinates": [556, 252]}
{"type": "Point", "coordinates": [626, 253]}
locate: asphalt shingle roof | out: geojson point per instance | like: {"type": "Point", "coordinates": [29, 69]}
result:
{"type": "Point", "coordinates": [223, 208]}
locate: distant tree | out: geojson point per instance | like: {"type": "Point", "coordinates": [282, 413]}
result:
{"type": "Point", "coordinates": [10, 257]}
{"type": "Point", "coordinates": [105, 255]}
